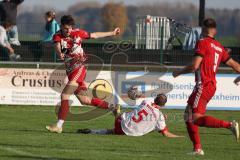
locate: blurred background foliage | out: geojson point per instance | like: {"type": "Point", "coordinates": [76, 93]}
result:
{"type": "Point", "coordinates": [94, 16]}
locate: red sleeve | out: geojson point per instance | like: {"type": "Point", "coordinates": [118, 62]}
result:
{"type": "Point", "coordinates": [200, 48]}
{"type": "Point", "coordinates": [225, 56]}
{"type": "Point", "coordinates": [56, 38]}
{"type": "Point", "coordinates": [84, 34]}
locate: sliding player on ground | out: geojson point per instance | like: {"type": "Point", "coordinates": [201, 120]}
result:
{"type": "Point", "coordinates": [146, 118]}
{"type": "Point", "coordinates": [209, 53]}
{"type": "Point", "coordinates": [68, 47]}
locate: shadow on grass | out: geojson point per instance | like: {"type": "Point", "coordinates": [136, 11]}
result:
{"type": "Point", "coordinates": [213, 133]}
{"type": "Point", "coordinates": [21, 145]}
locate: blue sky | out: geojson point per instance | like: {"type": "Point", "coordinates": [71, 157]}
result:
{"type": "Point", "coordinates": [64, 4]}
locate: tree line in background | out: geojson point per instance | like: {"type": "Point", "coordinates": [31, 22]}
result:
{"type": "Point", "coordinates": [93, 16]}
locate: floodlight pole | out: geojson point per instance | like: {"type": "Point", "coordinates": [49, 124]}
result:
{"type": "Point", "coordinates": [201, 12]}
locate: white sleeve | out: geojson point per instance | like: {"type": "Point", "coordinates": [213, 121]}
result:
{"type": "Point", "coordinates": [3, 38]}
{"type": "Point", "coordinates": [161, 124]}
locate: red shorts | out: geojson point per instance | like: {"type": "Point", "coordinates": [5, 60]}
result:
{"type": "Point", "coordinates": [118, 128]}
{"type": "Point", "coordinates": [78, 75]}
{"type": "Point", "coordinates": [200, 97]}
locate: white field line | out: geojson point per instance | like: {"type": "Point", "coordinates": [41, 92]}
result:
{"type": "Point", "coordinates": [19, 152]}
{"type": "Point", "coordinates": [23, 153]}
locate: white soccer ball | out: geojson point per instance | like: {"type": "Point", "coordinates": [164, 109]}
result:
{"type": "Point", "coordinates": [134, 93]}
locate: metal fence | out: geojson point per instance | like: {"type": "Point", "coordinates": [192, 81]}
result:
{"type": "Point", "coordinates": [33, 50]}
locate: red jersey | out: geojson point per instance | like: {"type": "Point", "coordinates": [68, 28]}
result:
{"type": "Point", "coordinates": [213, 53]}
{"type": "Point", "coordinates": [72, 48]}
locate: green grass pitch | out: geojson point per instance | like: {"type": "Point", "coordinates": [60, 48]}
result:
{"type": "Point", "coordinates": [23, 136]}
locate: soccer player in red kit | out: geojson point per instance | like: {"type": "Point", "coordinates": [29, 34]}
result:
{"type": "Point", "coordinates": [209, 53]}
{"type": "Point", "coordinates": [68, 47]}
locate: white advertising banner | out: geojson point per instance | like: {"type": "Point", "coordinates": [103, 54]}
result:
{"type": "Point", "coordinates": [41, 86]}
{"type": "Point", "coordinates": [227, 96]}
{"type": "Point", "coordinates": [30, 86]}
{"type": "Point", "coordinates": [44, 86]}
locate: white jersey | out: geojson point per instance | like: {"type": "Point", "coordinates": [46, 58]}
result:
{"type": "Point", "coordinates": [144, 119]}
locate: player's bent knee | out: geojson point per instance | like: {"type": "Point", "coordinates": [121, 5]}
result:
{"type": "Point", "coordinates": [188, 115]}
{"type": "Point", "coordinates": [196, 116]}
{"type": "Point", "coordinates": [86, 102]}
{"type": "Point", "coordinates": [84, 99]}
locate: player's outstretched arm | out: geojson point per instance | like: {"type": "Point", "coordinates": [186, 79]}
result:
{"type": "Point", "coordinates": [96, 35]}
{"type": "Point", "coordinates": [236, 67]}
{"type": "Point", "coordinates": [58, 50]}
{"type": "Point", "coordinates": [190, 68]}
{"type": "Point", "coordinates": [170, 135]}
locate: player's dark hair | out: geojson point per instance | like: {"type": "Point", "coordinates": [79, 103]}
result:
{"type": "Point", "coordinates": [209, 23]}
{"type": "Point", "coordinates": [67, 20]}
{"type": "Point", "coordinates": [161, 99]}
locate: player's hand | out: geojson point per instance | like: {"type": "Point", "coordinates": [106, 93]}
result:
{"type": "Point", "coordinates": [175, 73]}
{"type": "Point", "coordinates": [228, 50]}
{"type": "Point", "coordinates": [116, 31]}
{"type": "Point", "coordinates": [165, 117]}
{"type": "Point", "coordinates": [11, 50]}
{"type": "Point", "coordinates": [237, 80]}
{"type": "Point", "coordinates": [61, 56]}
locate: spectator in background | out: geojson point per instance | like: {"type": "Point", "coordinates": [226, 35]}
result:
{"type": "Point", "coordinates": [46, 44]}
{"type": "Point", "coordinates": [4, 27]}
{"type": "Point", "coordinates": [51, 26]}
{"type": "Point", "coordinates": [8, 13]}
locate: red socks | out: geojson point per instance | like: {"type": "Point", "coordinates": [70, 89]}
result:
{"type": "Point", "coordinates": [63, 111]}
{"type": "Point", "coordinates": [99, 103]}
{"type": "Point", "coordinates": [208, 121]}
{"type": "Point", "coordinates": [205, 121]}
{"type": "Point", "coordinates": [194, 135]}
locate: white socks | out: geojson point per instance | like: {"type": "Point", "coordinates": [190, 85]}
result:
{"type": "Point", "coordinates": [60, 123]}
